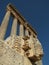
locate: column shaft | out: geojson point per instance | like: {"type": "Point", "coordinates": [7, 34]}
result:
{"type": "Point", "coordinates": [4, 25]}
{"type": "Point", "coordinates": [21, 33]}
{"type": "Point", "coordinates": [14, 27]}
{"type": "Point", "coordinates": [26, 32]}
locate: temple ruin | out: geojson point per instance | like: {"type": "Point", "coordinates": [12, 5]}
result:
{"type": "Point", "coordinates": [22, 49]}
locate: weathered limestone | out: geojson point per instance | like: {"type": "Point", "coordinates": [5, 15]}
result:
{"type": "Point", "coordinates": [14, 27]}
{"type": "Point", "coordinates": [31, 45]}
{"type": "Point", "coordinates": [26, 32]}
{"type": "Point", "coordinates": [9, 57]}
{"type": "Point", "coordinates": [4, 25]}
{"type": "Point", "coordinates": [21, 30]}
{"type": "Point", "coordinates": [39, 62]}
{"type": "Point", "coordinates": [22, 49]}
{"type": "Point", "coordinates": [27, 62]}
{"type": "Point", "coordinates": [38, 46]}
{"type": "Point", "coordinates": [14, 42]}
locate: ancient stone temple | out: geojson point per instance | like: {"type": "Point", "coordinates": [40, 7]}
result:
{"type": "Point", "coordinates": [21, 49]}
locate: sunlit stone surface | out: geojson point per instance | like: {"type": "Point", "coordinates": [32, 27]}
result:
{"type": "Point", "coordinates": [9, 57]}
{"type": "Point", "coordinates": [23, 48]}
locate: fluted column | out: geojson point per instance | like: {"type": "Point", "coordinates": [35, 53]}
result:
{"type": "Point", "coordinates": [14, 27]}
{"type": "Point", "coordinates": [4, 25]}
{"type": "Point", "coordinates": [21, 31]}
{"type": "Point", "coordinates": [26, 32]}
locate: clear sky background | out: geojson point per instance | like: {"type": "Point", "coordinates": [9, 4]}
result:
{"type": "Point", "coordinates": [36, 13]}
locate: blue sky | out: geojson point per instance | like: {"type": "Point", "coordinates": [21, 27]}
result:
{"type": "Point", "coordinates": [36, 13]}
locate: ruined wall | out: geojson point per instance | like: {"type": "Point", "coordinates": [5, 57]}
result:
{"type": "Point", "coordinates": [10, 57]}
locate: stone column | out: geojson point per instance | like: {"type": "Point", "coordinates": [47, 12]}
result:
{"type": "Point", "coordinates": [26, 32]}
{"type": "Point", "coordinates": [4, 25]}
{"type": "Point", "coordinates": [21, 32]}
{"type": "Point", "coordinates": [14, 27]}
